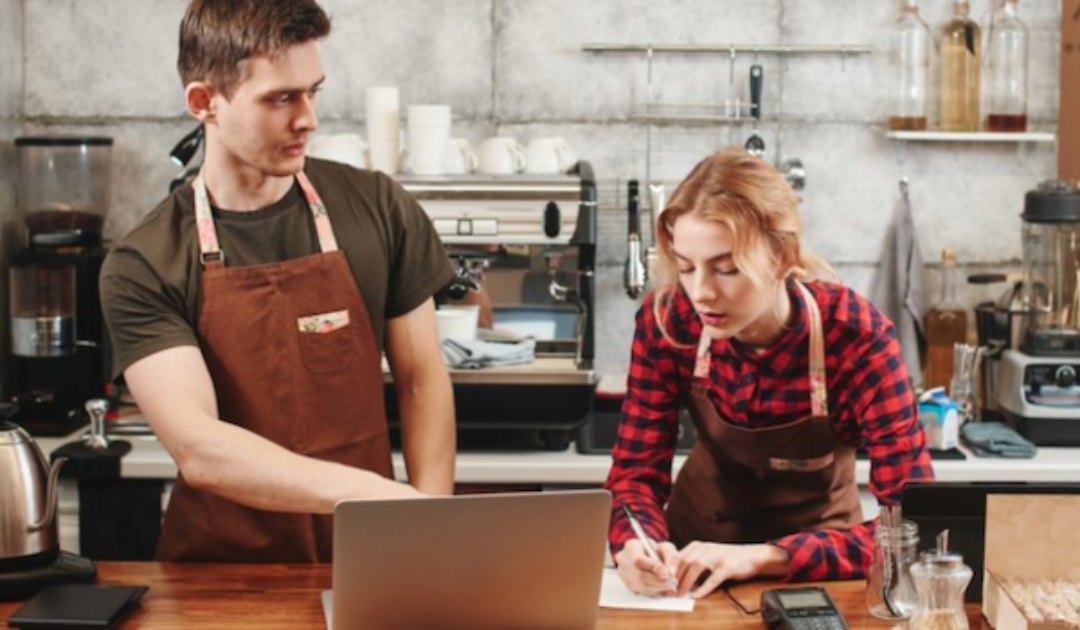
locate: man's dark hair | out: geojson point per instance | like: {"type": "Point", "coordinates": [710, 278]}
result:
{"type": "Point", "coordinates": [217, 37]}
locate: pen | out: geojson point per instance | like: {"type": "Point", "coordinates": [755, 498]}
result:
{"type": "Point", "coordinates": [650, 551]}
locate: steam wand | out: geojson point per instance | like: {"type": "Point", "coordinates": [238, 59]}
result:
{"type": "Point", "coordinates": [634, 272]}
{"type": "Point", "coordinates": [563, 293]}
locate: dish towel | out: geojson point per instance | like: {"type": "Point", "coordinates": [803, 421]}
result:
{"type": "Point", "coordinates": [898, 287]}
{"type": "Point", "coordinates": [994, 439]}
{"type": "Point", "coordinates": [471, 354]}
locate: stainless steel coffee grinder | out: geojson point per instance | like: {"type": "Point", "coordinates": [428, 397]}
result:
{"type": "Point", "coordinates": [1038, 389]}
{"type": "Point", "coordinates": [58, 344]}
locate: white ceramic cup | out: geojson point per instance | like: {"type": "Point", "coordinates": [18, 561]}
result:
{"type": "Point", "coordinates": [429, 133]}
{"type": "Point", "coordinates": [501, 156]}
{"type": "Point", "coordinates": [347, 148]}
{"type": "Point", "coordinates": [384, 155]}
{"type": "Point", "coordinates": [457, 321]}
{"type": "Point", "coordinates": [460, 159]}
{"type": "Point", "coordinates": [383, 114]}
{"type": "Point", "coordinates": [549, 156]}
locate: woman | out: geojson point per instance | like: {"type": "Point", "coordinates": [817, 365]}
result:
{"type": "Point", "coordinates": [784, 377]}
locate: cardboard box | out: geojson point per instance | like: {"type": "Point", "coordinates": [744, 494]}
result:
{"type": "Point", "coordinates": [1031, 538]}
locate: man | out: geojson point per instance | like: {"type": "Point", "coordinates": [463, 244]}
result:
{"type": "Point", "coordinates": [249, 309]}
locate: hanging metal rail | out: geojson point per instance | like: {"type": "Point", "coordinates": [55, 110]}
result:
{"type": "Point", "coordinates": [731, 49]}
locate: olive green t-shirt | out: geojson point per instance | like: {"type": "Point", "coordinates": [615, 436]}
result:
{"type": "Point", "coordinates": [151, 283]}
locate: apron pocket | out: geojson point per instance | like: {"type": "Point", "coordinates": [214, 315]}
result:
{"type": "Point", "coordinates": [330, 350]}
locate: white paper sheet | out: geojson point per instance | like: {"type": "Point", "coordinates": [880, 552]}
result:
{"type": "Point", "coordinates": [614, 594]}
{"type": "Point", "coordinates": [327, 608]}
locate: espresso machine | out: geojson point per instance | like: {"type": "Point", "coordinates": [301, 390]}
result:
{"type": "Point", "coordinates": [1038, 388]}
{"type": "Point", "coordinates": [58, 341]}
{"type": "Point", "coordinates": [527, 243]}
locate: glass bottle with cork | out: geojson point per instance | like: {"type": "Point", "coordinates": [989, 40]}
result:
{"type": "Point", "coordinates": [1007, 70]}
{"type": "Point", "coordinates": [946, 326]}
{"type": "Point", "coordinates": [961, 56]}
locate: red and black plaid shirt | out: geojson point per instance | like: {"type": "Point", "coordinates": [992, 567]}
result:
{"type": "Point", "coordinates": [871, 404]}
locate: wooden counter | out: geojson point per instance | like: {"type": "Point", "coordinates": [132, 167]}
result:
{"type": "Point", "coordinates": [192, 596]}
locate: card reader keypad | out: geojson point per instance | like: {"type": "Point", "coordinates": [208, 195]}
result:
{"type": "Point", "coordinates": [818, 623]}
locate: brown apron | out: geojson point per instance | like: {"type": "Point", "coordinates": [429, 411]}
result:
{"type": "Point", "coordinates": [294, 359]}
{"type": "Point", "coordinates": [753, 485]}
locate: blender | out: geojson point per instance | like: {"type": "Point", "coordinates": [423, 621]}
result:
{"type": "Point", "coordinates": [1038, 389]}
{"type": "Point", "coordinates": [58, 343]}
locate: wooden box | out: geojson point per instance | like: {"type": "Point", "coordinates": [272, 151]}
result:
{"type": "Point", "coordinates": [1030, 538]}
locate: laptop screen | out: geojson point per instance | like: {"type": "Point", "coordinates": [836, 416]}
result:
{"type": "Point", "coordinates": [960, 507]}
{"type": "Point", "coordinates": [526, 561]}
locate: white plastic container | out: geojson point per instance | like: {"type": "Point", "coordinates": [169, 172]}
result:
{"type": "Point", "coordinates": [458, 321]}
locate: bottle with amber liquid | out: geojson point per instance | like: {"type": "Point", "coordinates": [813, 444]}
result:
{"type": "Point", "coordinates": [946, 326]}
{"type": "Point", "coordinates": [1007, 71]}
{"type": "Point", "coordinates": [909, 58]}
{"type": "Point", "coordinates": [961, 57]}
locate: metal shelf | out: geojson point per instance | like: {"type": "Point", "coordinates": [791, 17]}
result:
{"type": "Point", "coordinates": [972, 136]}
{"type": "Point", "coordinates": [731, 49]}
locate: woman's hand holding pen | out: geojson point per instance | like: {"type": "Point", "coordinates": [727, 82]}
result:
{"type": "Point", "coordinates": [645, 575]}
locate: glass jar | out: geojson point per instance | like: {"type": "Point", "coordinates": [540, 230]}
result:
{"type": "Point", "coordinates": [909, 58]}
{"type": "Point", "coordinates": [890, 593]}
{"type": "Point", "coordinates": [1007, 71]}
{"type": "Point", "coordinates": [940, 578]}
{"type": "Point", "coordinates": [961, 55]}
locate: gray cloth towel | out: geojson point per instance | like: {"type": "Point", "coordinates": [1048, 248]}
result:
{"type": "Point", "coordinates": [993, 439]}
{"type": "Point", "coordinates": [475, 354]}
{"type": "Point", "coordinates": [898, 287]}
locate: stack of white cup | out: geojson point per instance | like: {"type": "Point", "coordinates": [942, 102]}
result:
{"type": "Point", "coordinates": [429, 133]}
{"type": "Point", "coordinates": [383, 128]}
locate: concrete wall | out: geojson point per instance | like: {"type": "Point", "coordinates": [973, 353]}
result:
{"type": "Point", "coordinates": [515, 67]}
{"type": "Point", "coordinates": [11, 95]}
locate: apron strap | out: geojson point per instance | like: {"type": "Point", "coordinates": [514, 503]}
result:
{"type": "Point", "coordinates": [210, 252]}
{"type": "Point", "coordinates": [209, 249]}
{"type": "Point", "coordinates": [819, 397]}
{"type": "Point", "coordinates": [704, 355]}
{"type": "Point", "coordinates": [327, 240]}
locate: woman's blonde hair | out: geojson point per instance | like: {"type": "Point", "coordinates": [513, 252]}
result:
{"type": "Point", "coordinates": [756, 204]}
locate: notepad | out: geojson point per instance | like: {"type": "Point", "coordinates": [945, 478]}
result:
{"type": "Point", "coordinates": [615, 594]}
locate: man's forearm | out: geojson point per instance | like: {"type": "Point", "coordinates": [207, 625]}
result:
{"type": "Point", "coordinates": [250, 470]}
{"type": "Point", "coordinates": [429, 437]}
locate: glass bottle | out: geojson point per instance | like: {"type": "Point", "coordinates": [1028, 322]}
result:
{"type": "Point", "coordinates": [961, 55]}
{"type": "Point", "coordinates": [890, 593]}
{"type": "Point", "coordinates": [909, 56]}
{"type": "Point", "coordinates": [1007, 71]}
{"type": "Point", "coordinates": [940, 578]}
{"type": "Point", "coordinates": [946, 326]}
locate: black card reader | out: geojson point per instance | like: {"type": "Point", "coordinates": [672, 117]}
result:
{"type": "Point", "coordinates": [808, 608]}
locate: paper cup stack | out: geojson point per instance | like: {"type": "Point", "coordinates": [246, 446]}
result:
{"type": "Point", "coordinates": [383, 128]}
{"type": "Point", "coordinates": [429, 133]}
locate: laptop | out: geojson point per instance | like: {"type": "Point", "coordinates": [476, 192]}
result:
{"type": "Point", "coordinates": [960, 507]}
{"type": "Point", "coordinates": [520, 561]}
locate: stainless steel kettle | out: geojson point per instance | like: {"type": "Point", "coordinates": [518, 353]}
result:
{"type": "Point", "coordinates": [28, 487]}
